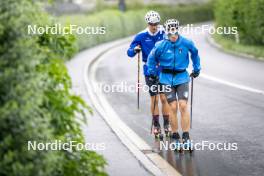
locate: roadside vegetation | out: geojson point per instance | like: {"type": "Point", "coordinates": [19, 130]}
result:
{"type": "Point", "coordinates": [248, 17]}
{"type": "Point", "coordinates": [36, 103]}
{"type": "Point", "coordinates": [231, 46]}
{"type": "Point", "coordinates": [121, 24]}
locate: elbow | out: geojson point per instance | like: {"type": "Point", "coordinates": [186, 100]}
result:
{"type": "Point", "coordinates": [197, 68]}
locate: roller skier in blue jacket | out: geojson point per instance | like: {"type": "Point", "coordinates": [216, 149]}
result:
{"type": "Point", "coordinates": [144, 41]}
{"type": "Point", "coordinates": [172, 56]}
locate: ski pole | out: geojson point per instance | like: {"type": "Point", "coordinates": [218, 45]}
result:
{"type": "Point", "coordinates": [154, 104]}
{"type": "Point", "coordinates": [153, 113]}
{"type": "Point", "coordinates": [138, 81]}
{"type": "Point", "coordinates": [151, 126]}
{"type": "Point", "coordinates": [191, 98]}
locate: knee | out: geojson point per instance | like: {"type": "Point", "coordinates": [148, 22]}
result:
{"type": "Point", "coordinates": [183, 107]}
{"type": "Point", "coordinates": [163, 99]}
{"type": "Point", "coordinates": [174, 107]}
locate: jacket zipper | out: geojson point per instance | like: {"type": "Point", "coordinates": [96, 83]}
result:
{"type": "Point", "coordinates": [174, 57]}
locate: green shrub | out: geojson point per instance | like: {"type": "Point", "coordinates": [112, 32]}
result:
{"type": "Point", "coordinates": [231, 46]}
{"type": "Point", "coordinates": [246, 15]}
{"type": "Point", "coordinates": [117, 25]}
{"type": "Point", "coordinates": [120, 24]}
{"type": "Point", "coordinates": [35, 99]}
{"type": "Point", "coordinates": [191, 13]}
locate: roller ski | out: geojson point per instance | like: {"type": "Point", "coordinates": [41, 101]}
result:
{"type": "Point", "coordinates": [175, 140]}
{"type": "Point", "coordinates": [186, 142]}
{"type": "Point", "coordinates": [157, 130]}
{"type": "Point", "coordinates": [167, 128]}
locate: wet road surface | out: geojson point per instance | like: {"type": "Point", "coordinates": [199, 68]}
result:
{"type": "Point", "coordinates": [221, 114]}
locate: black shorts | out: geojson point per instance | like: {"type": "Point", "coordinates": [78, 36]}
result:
{"type": "Point", "coordinates": [178, 92]}
{"type": "Point", "coordinates": [155, 88]}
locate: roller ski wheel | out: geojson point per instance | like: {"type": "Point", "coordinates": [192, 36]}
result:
{"type": "Point", "coordinates": [159, 136]}
{"type": "Point", "coordinates": [167, 131]}
{"type": "Point", "coordinates": [187, 146]}
{"type": "Point", "coordinates": [157, 132]}
{"type": "Point", "coordinates": [167, 134]}
{"type": "Point", "coordinates": [167, 128]}
{"type": "Point", "coordinates": [178, 146]}
{"type": "Point", "coordinates": [175, 140]}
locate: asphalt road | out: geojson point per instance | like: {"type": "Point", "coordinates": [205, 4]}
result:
{"type": "Point", "coordinates": [221, 113]}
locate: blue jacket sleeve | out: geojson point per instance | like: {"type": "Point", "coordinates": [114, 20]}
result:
{"type": "Point", "coordinates": [195, 57]}
{"type": "Point", "coordinates": [152, 61]}
{"type": "Point", "coordinates": [135, 42]}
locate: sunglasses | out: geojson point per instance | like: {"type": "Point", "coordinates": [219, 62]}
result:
{"type": "Point", "coordinates": [153, 24]}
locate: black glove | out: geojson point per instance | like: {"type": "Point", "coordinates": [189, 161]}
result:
{"type": "Point", "coordinates": [153, 79]}
{"type": "Point", "coordinates": [137, 49]}
{"type": "Point", "coordinates": [195, 74]}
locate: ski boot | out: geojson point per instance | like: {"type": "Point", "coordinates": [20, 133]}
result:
{"type": "Point", "coordinates": [187, 144]}
{"type": "Point", "coordinates": [157, 131]}
{"type": "Point", "coordinates": [175, 139]}
{"type": "Point", "coordinates": [167, 128]}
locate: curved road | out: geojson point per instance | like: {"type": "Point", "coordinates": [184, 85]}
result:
{"type": "Point", "coordinates": [221, 113]}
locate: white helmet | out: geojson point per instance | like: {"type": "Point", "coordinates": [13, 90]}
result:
{"type": "Point", "coordinates": [171, 26]}
{"type": "Point", "coordinates": [152, 17]}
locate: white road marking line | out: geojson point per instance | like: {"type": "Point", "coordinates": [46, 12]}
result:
{"type": "Point", "coordinates": [228, 83]}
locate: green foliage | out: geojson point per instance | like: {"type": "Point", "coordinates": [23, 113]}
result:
{"type": "Point", "coordinates": [246, 15]}
{"type": "Point", "coordinates": [36, 103]}
{"type": "Point", "coordinates": [191, 13]}
{"type": "Point", "coordinates": [120, 24]}
{"type": "Point", "coordinates": [231, 46]}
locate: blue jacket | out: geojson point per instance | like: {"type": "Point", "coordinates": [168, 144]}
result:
{"type": "Point", "coordinates": [147, 41]}
{"type": "Point", "coordinates": [175, 56]}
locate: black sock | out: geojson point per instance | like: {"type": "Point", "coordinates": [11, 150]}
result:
{"type": "Point", "coordinates": [175, 135]}
{"type": "Point", "coordinates": [155, 120]}
{"type": "Point", "coordinates": [185, 135]}
{"type": "Point", "coordinates": [166, 119]}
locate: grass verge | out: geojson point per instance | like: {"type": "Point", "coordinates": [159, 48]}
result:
{"type": "Point", "coordinates": [231, 46]}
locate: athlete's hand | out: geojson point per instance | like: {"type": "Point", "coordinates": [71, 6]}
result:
{"type": "Point", "coordinates": [137, 49]}
{"type": "Point", "coordinates": [153, 79]}
{"type": "Point", "coordinates": [195, 74]}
